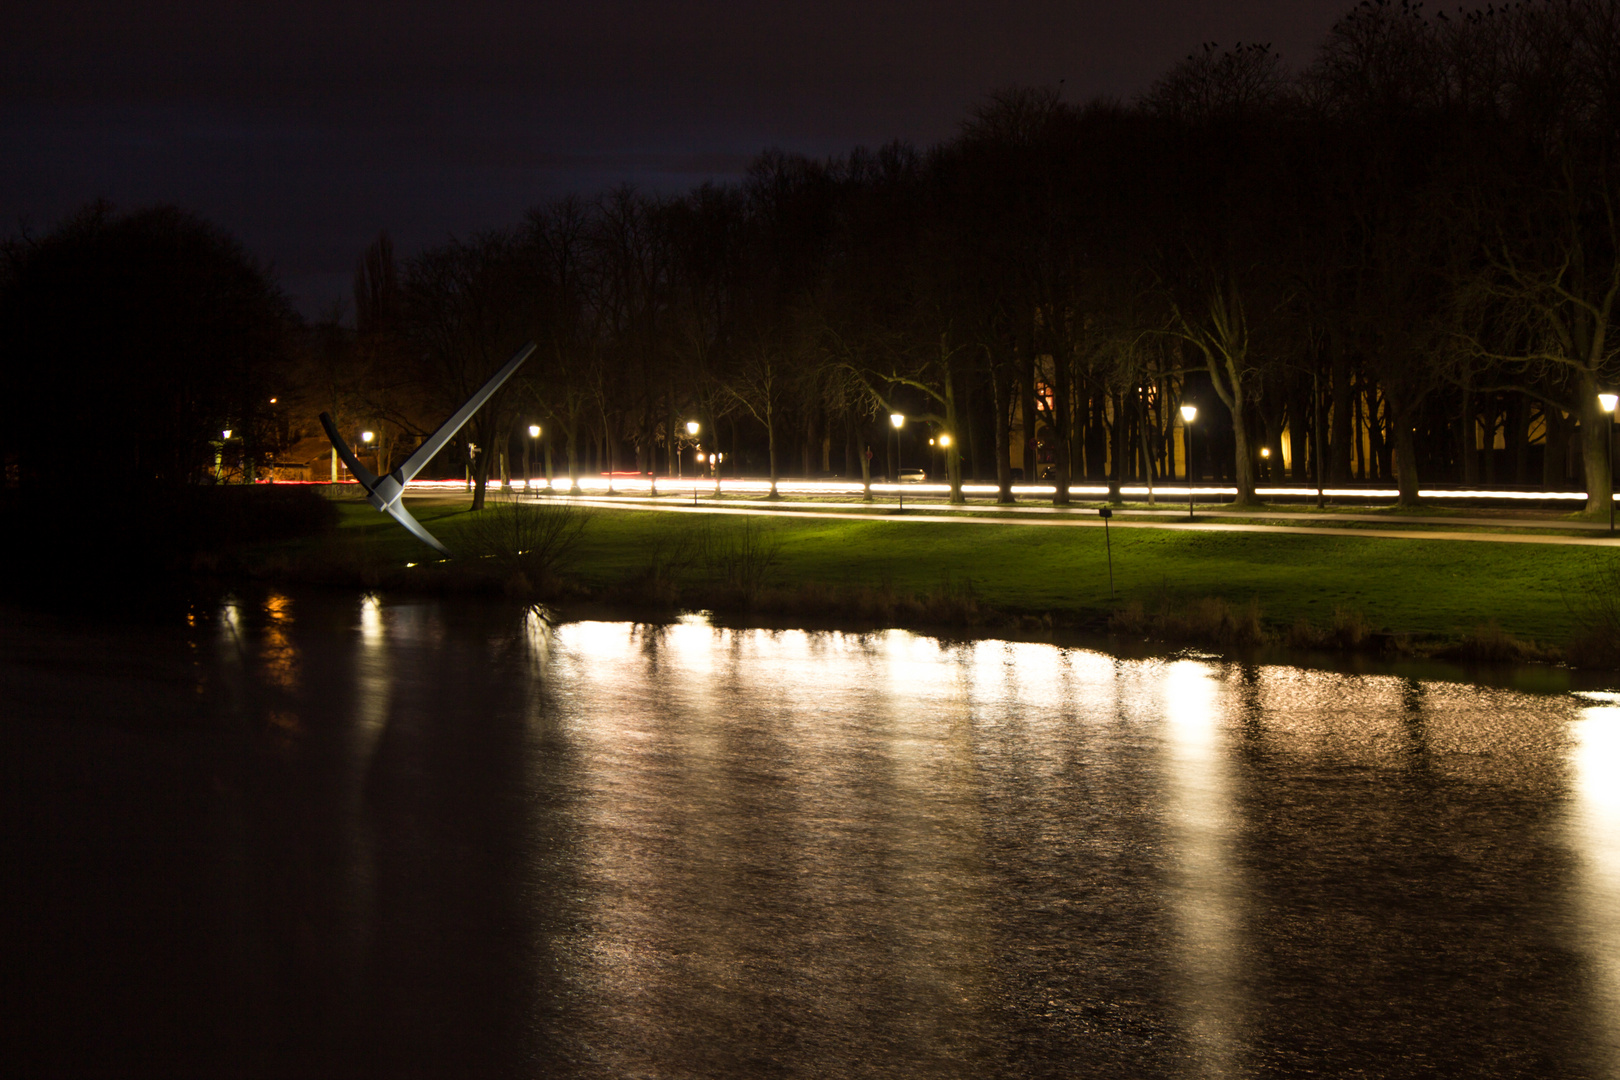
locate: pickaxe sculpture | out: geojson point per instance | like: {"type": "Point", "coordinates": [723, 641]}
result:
{"type": "Point", "coordinates": [384, 493]}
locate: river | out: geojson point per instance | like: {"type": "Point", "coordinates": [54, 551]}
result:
{"type": "Point", "coordinates": [322, 834]}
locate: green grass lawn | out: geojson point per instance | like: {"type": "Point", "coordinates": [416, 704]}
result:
{"type": "Point", "coordinates": [1426, 588]}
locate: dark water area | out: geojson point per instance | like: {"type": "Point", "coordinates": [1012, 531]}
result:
{"type": "Point", "coordinates": [330, 835]}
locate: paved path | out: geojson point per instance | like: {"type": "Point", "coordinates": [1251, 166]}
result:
{"type": "Point", "coordinates": [1207, 520]}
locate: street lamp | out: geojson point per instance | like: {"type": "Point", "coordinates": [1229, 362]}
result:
{"type": "Point", "coordinates": [1607, 403]}
{"type": "Point", "coordinates": [692, 428]}
{"type": "Point", "coordinates": [898, 421]}
{"type": "Point", "coordinates": [1188, 414]}
{"type": "Point", "coordinates": [528, 470]}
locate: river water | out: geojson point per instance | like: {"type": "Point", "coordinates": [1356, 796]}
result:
{"type": "Point", "coordinates": [328, 835]}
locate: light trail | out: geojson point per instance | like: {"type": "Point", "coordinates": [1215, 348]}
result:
{"type": "Point", "coordinates": [687, 486]}
{"type": "Point", "coordinates": [1076, 522]}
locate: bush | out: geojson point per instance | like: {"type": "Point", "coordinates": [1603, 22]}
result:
{"type": "Point", "coordinates": [742, 559]}
{"type": "Point", "coordinates": [1208, 620]}
{"type": "Point", "coordinates": [135, 537]}
{"type": "Point", "coordinates": [1490, 644]}
{"type": "Point", "coordinates": [1349, 631]}
{"type": "Point", "coordinates": [527, 540]}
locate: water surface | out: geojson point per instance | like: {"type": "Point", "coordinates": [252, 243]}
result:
{"type": "Point", "coordinates": [331, 835]}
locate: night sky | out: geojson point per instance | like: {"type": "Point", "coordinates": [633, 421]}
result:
{"type": "Point", "coordinates": [305, 127]}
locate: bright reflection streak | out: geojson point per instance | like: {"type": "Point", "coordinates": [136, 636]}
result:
{"type": "Point", "coordinates": [1207, 896]}
{"type": "Point", "coordinates": [374, 684]}
{"type": "Point", "coordinates": [1596, 838]}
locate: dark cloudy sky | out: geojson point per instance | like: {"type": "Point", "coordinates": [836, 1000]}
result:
{"type": "Point", "coordinates": [305, 126]}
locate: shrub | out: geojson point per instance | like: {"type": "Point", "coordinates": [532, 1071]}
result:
{"type": "Point", "coordinates": [527, 539]}
{"type": "Point", "coordinates": [1490, 644]}
{"type": "Point", "coordinates": [1208, 620]}
{"type": "Point", "coordinates": [741, 558]}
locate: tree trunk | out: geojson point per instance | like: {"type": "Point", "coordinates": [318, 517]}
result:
{"type": "Point", "coordinates": [1062, 431]}
{"type": "Point", "coordinates": [998, 394]}
{"type": "Point", "coordinates": [573, 460]}
{"type": "Point", "coordinates": [1465, 441]}
{"type": "Point", "coordinates": [1338, 439]}
{"type": "Point", "coordinates": [1403, 449]}
{"type": "Point", "coordinates": [953, 452]}
{"type": "Point", "coordinates": [770, 432]}
{"type": "Point", "coordinates": [1596, 449]}
{"type": "Point", "coordinates": [1553, 442]}
{"type": "Point", "coordinates": [1518, 437]}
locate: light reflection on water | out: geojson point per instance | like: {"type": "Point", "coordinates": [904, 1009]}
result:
{"type": "Point", "coordinates": [457, 838]}
{"type": "Point", "coordinates": [1595, 825]}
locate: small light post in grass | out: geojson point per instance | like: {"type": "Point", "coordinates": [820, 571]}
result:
{"type": "Point", "coordinates": [898, 420]}
{"type": "Point", "coordinates": [366, 438]}
{"type": "Point", "coordinates": [1105, 513]}
{"type": "Point", "coordinates": [528, 458]}
{"type": "Point", "coordinates": [1607, 403]}
{"type": "Point", "coordinates": [1188, 414]}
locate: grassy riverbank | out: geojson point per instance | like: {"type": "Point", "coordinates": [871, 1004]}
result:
{"type": "Point", "coordinates": [1343, 591]}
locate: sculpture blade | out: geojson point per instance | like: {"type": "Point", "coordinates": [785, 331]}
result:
{"type": "Point", "coordinates": [361, 473]}
{"type": "Point", "coordinates": [385, 494]}
{"type": "Point", "coordinates": [397, 511]}
{"type": "Point", "coordinates": [425, 453]}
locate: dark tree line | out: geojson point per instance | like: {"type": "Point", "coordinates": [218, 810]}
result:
{"type": "Point", "coordinates": [1397, 265]}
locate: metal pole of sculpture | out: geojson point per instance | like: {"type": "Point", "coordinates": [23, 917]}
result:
{"type": "Point", "coordinates": [384, 492]}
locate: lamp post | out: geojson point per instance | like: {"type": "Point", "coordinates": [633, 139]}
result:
{"type": "Point", "coordinates": [898, 421]}
{"type": "Point", "coordinates": [528, 471]}
{"type": "Point", "coordinates": [219, 455]}
{"type": "Point", "coordinates": [1607, 403]}
{"type": "Point", "coordinates": [1188, 414]}
{"type": "Point", "coordinates": [692, 429]}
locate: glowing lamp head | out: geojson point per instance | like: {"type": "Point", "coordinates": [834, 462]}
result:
{"type": "Point", "coordinates": [691, 427]}
{"type": "Point", "coordinates": [944, 440]}
{"type": "Point", "coordinates": [534, 431]}
{"type": "Point", "coordinates": [1189, 413]}
{"type": "Point", "coordinates": [1608, 401]}
{"type": "Point", "coordinates": [226, 433]}
{"type": "Point", "coordinates": [367, 436]}
{"type": "Point", "coordinates": [897, 419]}
{"type": "Point", "coordinates": [272, 401]}
{"type": "Point", "coordinates": [1265, 451]}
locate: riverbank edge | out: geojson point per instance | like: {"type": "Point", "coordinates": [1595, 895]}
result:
{"type": "Point", "coordinates": [951, 610]}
